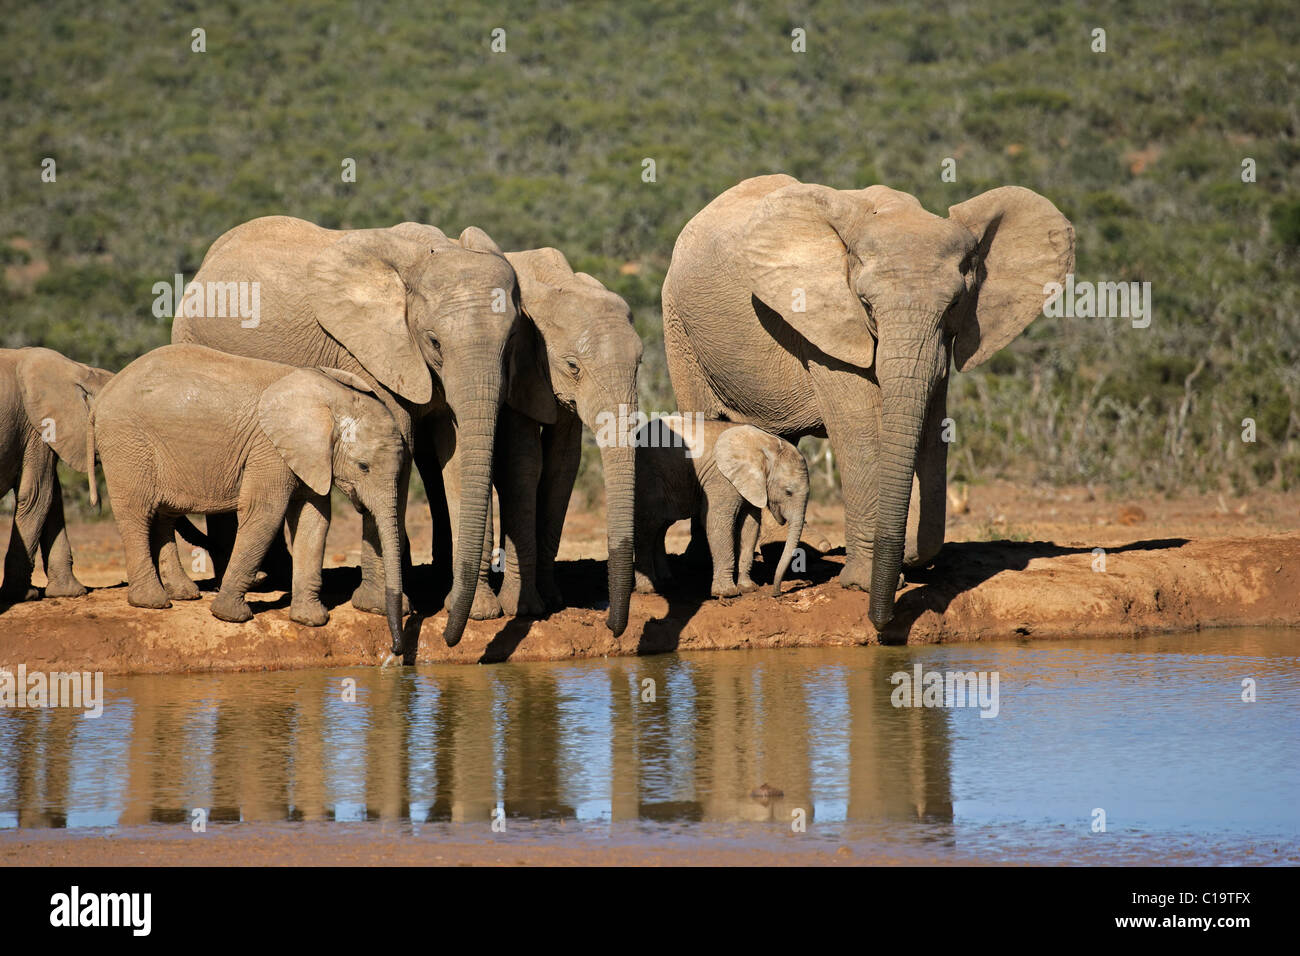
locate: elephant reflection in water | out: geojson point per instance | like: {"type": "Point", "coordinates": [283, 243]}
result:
{"type": "Point", "coordinates": [39, 780]}
{"type": "Point", "coordinates": [751, 724]}
{"type": "Point", "coordinates": [454, 747]}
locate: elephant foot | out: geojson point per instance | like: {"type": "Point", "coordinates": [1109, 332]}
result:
{"type": "Point", "coordinates": [371, 599]}
{"type": "Point", "coordinates": [185, 590]}
{"type": "Point", "coordinates": [518, 601]}
{"type": "Point", "coordinates": [725, 589]}
{"type": "Point", "coordinates": [71, 588]}
{"type": "Point", "coordinates": [309, 611]}
{"type": "Point", "coordinates": [856, 575]}
{"type": "Point", "coordinates": [746, 584]}
{"type": "Point", "coordinates": [147, 596]}
{"type": "Point", "coordinates": [232, 608]}
{"type": "Point", "coordinates": [486, 606]}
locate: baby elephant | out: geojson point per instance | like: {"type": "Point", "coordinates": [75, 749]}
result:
{"type": "Point", "coordinates": [188, 430]}
{"type": "Point", "coordinates": [686, 466]}
{"type": "Point", "coordinates": [44, 407]}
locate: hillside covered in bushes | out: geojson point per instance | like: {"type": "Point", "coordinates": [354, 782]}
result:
{"type": "Point", "coordinates": [158, 149]}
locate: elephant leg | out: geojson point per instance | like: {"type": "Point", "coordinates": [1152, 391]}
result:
{"type": "Point", "coordinates": [561, 457]}
{"type": "Point", "coordinates": [221, 531]}
{"type": "Point", "coordinates": [720, 521]}
{"type": "Point", "coordinates": [430, 468]}
{"type": "Point", "coordinates": [278, 566]}
{"type": "Point", "coordinates": [659, 552]}
{"type": "Point", "coordinates": [56, 550]}
{"type": "Point", "coordinates": [647, 538]}
{"type": "Point", "coordinates": [175, 581]}
{"type": "Point", "coordinates": [517, 473]}
{"type": "Point", "coordinates": [32, 497]}
{"type": "Point", "coordinates": [751, 522]}
{"type": "Point", "coordinates": [260, 517]}
{"type": "Point", "coordinates": [486, 606]}
{"type": "Point", "coordinates": [850, 405]}
{"type": "Point", "coordinates": [309, 523]}
{"type": "Point", "coordinates": [135, 524]}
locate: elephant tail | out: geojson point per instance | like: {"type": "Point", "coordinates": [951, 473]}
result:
{"type": "Point", "coordinates": [192, 535]}
{"type": "Point", "coordinates": [90, 458]}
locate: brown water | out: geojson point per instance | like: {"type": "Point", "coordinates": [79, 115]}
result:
{"type": "Point", "coordinates": [1152, 731]}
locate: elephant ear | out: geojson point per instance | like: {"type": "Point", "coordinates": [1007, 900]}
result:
{"type": "Point", "coordinates": [479, 241]}
{"type": "Point", "coordinates": [528, 389]}
{"type": "Point", "coordinates": [57, 393]}
{"type": "Point", "coordinates": [421, 232]}
{"type": "Point", "coordinates": [355, 286]}
{"type": "Point", "coordinates": [796, 255]}
{"type": "Point", "coordinates": [542, 275]}
{"type": "Point", "coordinates": [295, 414]}
{"type": "Point", "coordinates": [740, 454]}
{"type": "Point", "coordinates": [1023, 243]}
{"type": "Point", "coordinates": [350, 379]}
{"type": "Point", "coordinates": [591, 280]}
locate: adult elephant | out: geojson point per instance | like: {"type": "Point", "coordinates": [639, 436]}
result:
{"type": "Point", "coordinates": [574, 362]}
{"type": "Point", "coordinates": [422, 318]}
{"type": "Point", "coordinates": [808, 310]}
{"type": "Point", "coordinates": [44, 409]}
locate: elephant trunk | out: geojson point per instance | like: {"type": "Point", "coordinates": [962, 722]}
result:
{"type": "Point", "coordinates": [390, 542]}
{"type": "Point", "coordinates": [906, 379]}
{"type": "Point", "coordinates": [620, 491]}
{"type": "Point", "coordinates": [799, 507]}
{"type": "Point", "coordinates": [475, 407]}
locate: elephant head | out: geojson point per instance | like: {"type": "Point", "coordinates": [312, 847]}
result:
{"type": "Point", "coordinates": [578, 349]}
{"type": "Point", "coordinates": [332, 430]}
{"type": "Point", "coordinates": [769, 473]}
{"type": "Point", "coordinates": [879, 284]}
{"type": "Point", "coordinates": [57, 393]}
{"type": "Point", "coordinates": [425, 315]}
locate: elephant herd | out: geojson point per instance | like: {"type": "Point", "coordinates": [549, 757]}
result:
{"type": "Point", "coordinates": [789, 309]}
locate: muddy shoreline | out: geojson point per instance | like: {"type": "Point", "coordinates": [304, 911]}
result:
{"type": "Point", "coordinates": [977, 591]}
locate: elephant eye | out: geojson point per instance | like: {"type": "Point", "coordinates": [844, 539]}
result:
{"type": "Point", "coordinates": [573, 367]}
{"type": "Point", "coordinates": [434, 343]}
{"type": "Point", "coordinates": [365, 467]}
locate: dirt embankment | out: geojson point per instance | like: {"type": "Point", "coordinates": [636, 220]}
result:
{"type": "Point", "coordinates": [1167, 566]}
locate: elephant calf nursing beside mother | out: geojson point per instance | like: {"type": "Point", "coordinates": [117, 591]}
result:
{"type": "Point", "coordinates": [807, 310]}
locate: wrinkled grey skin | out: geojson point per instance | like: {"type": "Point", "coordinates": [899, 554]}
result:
{"type": "Point", "coordinates": [807, 310]}
{"type": "Point", "coordinates": [42, 396]}
{"type": "Point", "coordinates": [724, 474]}
{"type": "Point", "coordinates": [423, 319]}
{"type": "Point", "coordinates": [573, 362]}
{"type": "Point", "coordinates": [189, 430]}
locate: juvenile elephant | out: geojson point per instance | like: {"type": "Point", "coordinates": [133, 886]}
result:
{"type": "Point", "coordinates": [808, 310]}
{"type": "Point", "coordinates": [719, 472]}
{"type": "Point", "coordinates": [573, 361]}
{"type": "Point", "coordinates": [44, 407]}
{"type": "Point", "coordinates": [420, 318]}
{"type": "Point", "coordinates": [190, 430]}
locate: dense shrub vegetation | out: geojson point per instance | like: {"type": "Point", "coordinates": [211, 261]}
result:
{"type": "Point", "coordinates": [160, 149]}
